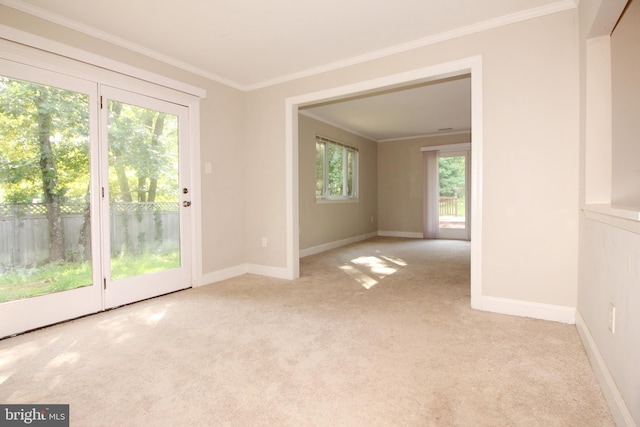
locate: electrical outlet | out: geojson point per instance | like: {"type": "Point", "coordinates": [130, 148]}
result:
{"type": "Point", "coordinates": [264, 242]}
{"type": "Point", "coordinates": [612, 318]}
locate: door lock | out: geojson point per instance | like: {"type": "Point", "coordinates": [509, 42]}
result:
{"type": "Point", "coordinates": [185, 190]}
{"type": "Point", "coordinates": [186, 203]}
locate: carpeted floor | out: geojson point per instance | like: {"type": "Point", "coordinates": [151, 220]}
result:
{"type": "Point", "coordinates": [378, 333]}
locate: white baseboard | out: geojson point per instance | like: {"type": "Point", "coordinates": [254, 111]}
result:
{"type": "Point", "coordinates": [406, 234]}
{"type": "Point", "coordinates": [265, 270]}
{"type": "Point", "coordinates": [220, 275]}
{"type": "Point", "coordinates": [338, 243]}
{"type": "Point", "coordinates": [239, 270]}
{"type": "Point", "coordinates": [618, 408]}
{"type": "Point", "coordinates": [556, 313]}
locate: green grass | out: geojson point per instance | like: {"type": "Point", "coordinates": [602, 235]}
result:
{"type": "Point", "coordinates": [129, 266]}
{"type": "Point", "coordinates": [20, 283]}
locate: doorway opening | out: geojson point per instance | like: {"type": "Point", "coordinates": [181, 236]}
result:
{"type": "Point", "coordinates": [471, 66]}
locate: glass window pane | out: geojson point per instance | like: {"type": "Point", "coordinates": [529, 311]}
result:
{"type": "Point", "coordinates": [319, 168]}
{"type": "Point", "coordinates": [336, 165]}
{"type": "Point", "coordinates": [336, 170]}
{"type": "Point", "coordinates": [144, 190]}
{"type": "Point", "coordinates": [45, 240]}
{"type": "Point", "coordinates": [351, 165]}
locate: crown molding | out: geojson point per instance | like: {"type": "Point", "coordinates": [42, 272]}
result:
{"type": "Point", "coordinates": [117, 41]}
{"type": "Point", "coordinates": [556, 7]}
{"type": "Point", "coordinates": [336, 125]}
{"type": "Point", "coordinates": [427, 135]}
{"type": "Point", "coordinates": [513, 18]}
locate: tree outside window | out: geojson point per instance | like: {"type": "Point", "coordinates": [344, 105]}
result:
{"type": "Point", "coordinates": [336, 170]}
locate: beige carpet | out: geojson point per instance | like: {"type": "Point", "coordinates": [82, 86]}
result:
{"type": "Point", "coordinates": [378, 333]}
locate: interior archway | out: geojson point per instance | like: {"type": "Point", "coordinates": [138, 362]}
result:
{"type": "Point", "coordinates": [472, 66]}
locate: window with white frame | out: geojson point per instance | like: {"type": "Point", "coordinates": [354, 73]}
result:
{"type": "Point", "coordinates": [336, 170]}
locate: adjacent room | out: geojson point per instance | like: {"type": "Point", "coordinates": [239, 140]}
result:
{"type": "Point", "coordinates": [223, 213]}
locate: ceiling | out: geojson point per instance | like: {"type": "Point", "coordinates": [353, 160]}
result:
{"type": "Point", "coordinates": [438, 107]}
{"type": "Point", "coordinates": [248, 44]}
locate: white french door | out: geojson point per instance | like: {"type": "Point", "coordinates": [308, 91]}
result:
{"type": "Point", "coordinates": [146, 203]}
{"type": "Point", "coordinates": [447, 194]}
{"type": "Point", "coordinates": [94, 197]}
{"type": "Point", "coordinates": [454, 195]}
{"type": "Point", "coordinates": [49, 235]}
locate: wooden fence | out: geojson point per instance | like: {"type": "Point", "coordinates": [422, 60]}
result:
{"type": "Point", "coordinates": [449, 206]}
{"type": "Point", "coordinates": [134, 227]}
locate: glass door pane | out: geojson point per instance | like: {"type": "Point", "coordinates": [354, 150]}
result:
{"type": "Point", "coordinates": [49, 238]}
{"type": "Point", "coordinates": [453, 189]}
{"type": "Point", "coordinates": [147, 197]}
{"type": "Point", "coordinates": [45, 210]}
{"type": "Point", "coordinates": [144, 190]}
{"type": "Point", "coordinates": [452, 181]}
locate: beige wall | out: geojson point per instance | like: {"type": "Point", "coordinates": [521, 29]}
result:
{"type": "Point", "coordinates": [530, 152]}
{"type": "Point", "coordinates": [625, 71]}
{"type": "Point", "coordinates": [222, 137]}
{"type": "Point", "coordinates": [327, 222]}
{"type": "Point", "coordinates": [535, 113]}
{"type": "Point", "coordinates": [609, 249]}
{"type": "Point", "coordinates": [530, 175]}
{"type": "Point", "coordinates": [401, 176]}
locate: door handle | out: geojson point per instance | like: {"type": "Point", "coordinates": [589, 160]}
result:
{"type": "Point", "coordinates": [186, 203]}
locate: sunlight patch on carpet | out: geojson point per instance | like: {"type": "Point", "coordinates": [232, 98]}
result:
{"type": "Point", "coordinates": [366, 281]}
{"type": "Point", "coordinates": [63, 359]}
{"type": "Point", "coordinates": [368, 270]}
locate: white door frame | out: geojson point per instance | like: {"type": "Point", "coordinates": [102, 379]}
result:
{"type": "Point", "coordinates": [51, 56]}
{"type": "Point", "coordinates": [137, 288]}
{"type": "Point", "coordinates": [460, 149]}
{"type": "Point", "coordinates": [471, 65]}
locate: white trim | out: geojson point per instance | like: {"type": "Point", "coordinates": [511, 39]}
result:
{"type": "Point", "coordinates": [220, 275]}
{"type": "Point", "coordinates": [556, 7]}
{"type": "Point", "coordinates": [471, 65]}
{"type": "Point", "coordinates": [336, 244]}
{"type": "Point", "coordinates": [336, 200]}
{"type": "Point", "coordinates": [477, 173]}
{"type": "Point", "coordinates": [548, 9]}
{"type": "Point", "coordinates": [620, 218]}
{"type": "Point", "coordinates": [619, 410]}
{"type": "Point", "coordinates": [242, 269]}
{"type": "Point", "coordinates": [403, 234]}
{"type": "Point", "coordinates": [269, 271]}
{"type": "Point", "coordinates": [632, 214]}
{"type": "Point", "coordinates": [534, 310]}
{"type": "Point", "coordinates": [196, 194]}
{"type": "Point", "coordinates": [370, 138]}
{"type": "Point", "coordinates": [464, 146]}
{"type": "Point", "coordinates": [292, 211]}
{"type": "Point", "coordinates": [63, 50]}
{"type": "Point", "coordinates": [426, 135]}
{"type": "Point", "coordinates": [335, 125]}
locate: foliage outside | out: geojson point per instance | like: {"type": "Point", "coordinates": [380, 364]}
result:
{"type": "Point", "coordinates": [452, 181]}
{"type": "Point", "coordinates": [45, 158]}
{"type": "Point", "coordinates": [339, 162]}
{"type": "Point", "coordinates": [452, 176]}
